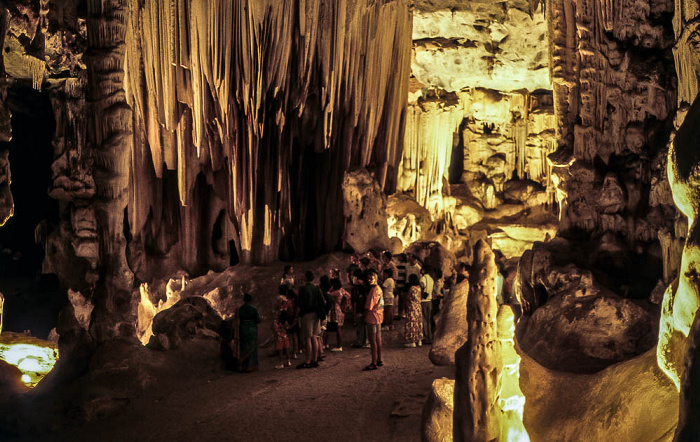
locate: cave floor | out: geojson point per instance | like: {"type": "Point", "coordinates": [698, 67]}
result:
{"type": "Point", "coordinates": [195, 399]}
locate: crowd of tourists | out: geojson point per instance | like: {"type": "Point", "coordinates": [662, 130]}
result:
{"type": "Point", "coordinates": [373, 293]}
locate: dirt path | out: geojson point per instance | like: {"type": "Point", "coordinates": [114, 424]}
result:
{"type": "Point", "coordinates": [335, 402]}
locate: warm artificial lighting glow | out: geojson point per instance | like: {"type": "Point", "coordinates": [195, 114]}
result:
{"type": "Point", "coordinates": [147, 311]}
{"type": "Point", "coordinates": [34, 357]}
{"type": "Point", "coordinates": [511, 399]}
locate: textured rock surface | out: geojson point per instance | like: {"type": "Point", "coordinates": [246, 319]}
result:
{"type": "Point", "coordinates": [682, 298]}
{"type": "Point", "coordinates": [184, 320]}
{"type": "Point", "coordinates": [364, 207]}
{"type": "Point", "coordinates": [451, 327]}
{"type": "Point", "coordinates": [688, 427]}
{"type": "Point", "coordinates": [613, 90]}
{"type": "Point", "coordinates": [632, 400]}
{"type": "Point", "coordinates": [587, 333]}
{"type": "Point", "coordinates": [436, 422]}
{"type": "Point", "coordinates": [482, 43]}
{"type": "Point", "coordinates": [407, 220]}
{"type": "Point", "coordinates": [478, 362]}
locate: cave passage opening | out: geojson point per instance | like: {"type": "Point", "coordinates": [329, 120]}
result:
{"type": "Point", "coordinates": [32, 299]}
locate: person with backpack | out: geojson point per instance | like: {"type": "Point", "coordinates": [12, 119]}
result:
{"type": "Point", "coordinates": [374, 315]}
{"type": "Point", "coordinates": [341, 305]}
{"type": "Point", "coordinates": [310, 302]}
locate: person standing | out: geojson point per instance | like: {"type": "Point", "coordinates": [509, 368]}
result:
{"type": "Point", "coordinates": [374, 315]}
{"type": "Point", "coordinates": [388, 263]}
{"type": "Point", "coordinates": [288, 277]}
{"type": "Point", "coordinates": [359, 295]}
{"type": "Point", "coordinates": [426, 304]}
{"type": "Point", "coordinates": [400, 288]}
{"type": "Point", "coordinates": [389, 299]}
{"type": "Point", "coordinates": [310, 300]}
{"type": "Point", "coordinates": [248, 331]}
{"type": "Point", "coordinates": [413, 329]}
{"type": "Point", "coordinates": [341, 304]}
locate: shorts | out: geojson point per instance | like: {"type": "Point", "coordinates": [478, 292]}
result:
{"type": "Point", "coordinates": [310, 325]}
{"type": "Point", "coordinates": [332, 327]}
{"type": "Point", "coordinates": [281, 343]}
{"type": "Point", "coordinates": [373, 328]}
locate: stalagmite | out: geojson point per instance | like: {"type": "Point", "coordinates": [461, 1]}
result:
{"type": "Point", "coordinates": [477, 416]}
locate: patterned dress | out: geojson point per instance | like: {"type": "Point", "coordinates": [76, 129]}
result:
{"type": "Point", "coordinates": [413, 331]}
{"type": "Point", "coordinates": [337, 314]}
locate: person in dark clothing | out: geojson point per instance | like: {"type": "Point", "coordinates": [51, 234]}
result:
{"type": "Point", "coordinates": [248, 329]}
{"type": "Point", "coordinates": [358, 296]}
{"type": "Point", "coordinates": [310, 300]}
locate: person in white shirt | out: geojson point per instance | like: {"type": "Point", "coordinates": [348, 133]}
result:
{"type": "Point", "coordinates": [388, 288]}
{"type": "Point", "coordinates": [426, 304]}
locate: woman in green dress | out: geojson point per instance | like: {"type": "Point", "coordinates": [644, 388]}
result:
{"type": "Point", "coordinates": [249, 319]}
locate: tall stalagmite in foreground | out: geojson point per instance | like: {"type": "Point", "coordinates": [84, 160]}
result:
{"type": "Point", "coordinates": [110, 135]}
{"type": "Point", "coordinates": [477, 416]}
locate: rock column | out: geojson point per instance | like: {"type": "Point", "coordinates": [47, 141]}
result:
{"type": "Point", "coordinates": [477, 416]}
{"type": "Point", "coordinates": [110, 135]}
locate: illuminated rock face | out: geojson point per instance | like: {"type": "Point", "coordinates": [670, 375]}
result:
{"type": "Point", "coordinates": [493, 45]}
{"type": "Point", "coordinates": [682, 298]}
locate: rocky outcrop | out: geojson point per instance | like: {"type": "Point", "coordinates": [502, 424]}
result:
{"type": "Point", "coordinates": [451, 327]}
{"type": "Point", "coordinates": [436, 421]}
{"type": "Point", "coordinates": [477, 416]}
{"type": "Point", "coordinates": [364, 207]}
{"type": "Point", "coordinates": [189, 317]}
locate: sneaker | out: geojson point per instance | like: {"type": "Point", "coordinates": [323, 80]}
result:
{"type": "Point", "coordinates": [370, 367]}
{"type": "Point", "coordinates": [337, 349]}
{"type": "Point", "coordinates": [314, 364]}
{"type": "Point", "coordinates": [279, 366]}
{"type": "Point", "coordinates": [419, 344]}
{"type": "Point", "coordinates": [288, 363]}
{"type": "Point", "coordinates": [366, 346]}
{"type": "Point", "coordinates": [410, 345]}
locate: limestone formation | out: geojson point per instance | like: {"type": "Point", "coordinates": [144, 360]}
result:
{"type": "Point", "coordinates": [189, 317]}
{"type": "Point", "coordinates": [688, 427]}
{"type": "Point", "coordinates": [110, 138]}
{"type": "Point", "coordinates": [682, 298]}
{"type": "Point", "coordinates": [263, 102]}
{"type": "Point", "coordinates": [451, 326]}
{"type": "Point", "coordinates": [407, 220]}
{"type": "Point", "coordinates": [436, 421]}
{"type": "Point", "coordinates": [477, 416]}
{"type": "Point", "coordinates": [364, 208]}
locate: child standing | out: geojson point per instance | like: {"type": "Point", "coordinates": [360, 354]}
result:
{"type": "Point", "coordinates": [281, 339]}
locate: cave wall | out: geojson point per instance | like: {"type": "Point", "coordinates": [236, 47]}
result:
{"type": "Point", "coordinates": [614, 96]}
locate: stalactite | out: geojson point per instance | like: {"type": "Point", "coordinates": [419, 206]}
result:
{"type": "Point", "coordinates": [261, 89]}
{"type": "Point", "coordinates": [428, 142]}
